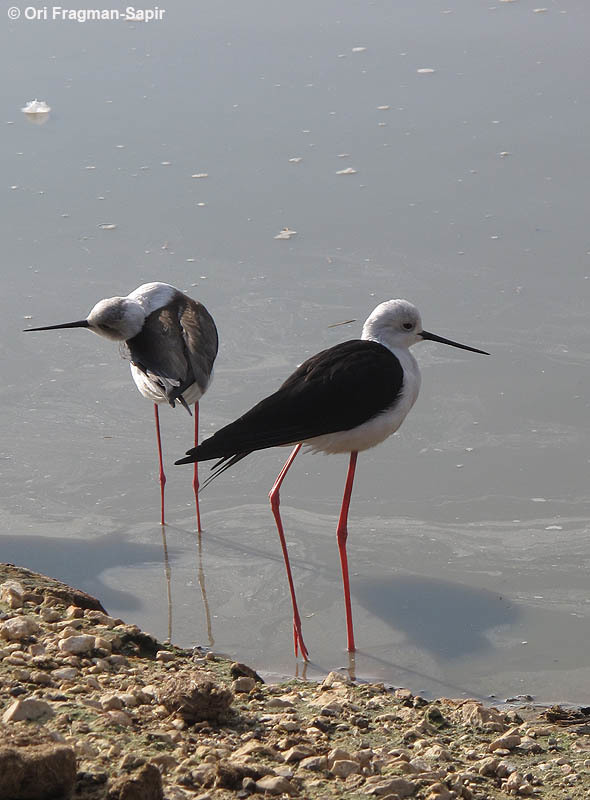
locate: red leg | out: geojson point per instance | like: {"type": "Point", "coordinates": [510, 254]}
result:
{"type": "Point", "coordinates": [342, 534]}
{"type": "Point", "coordinates": [274, 504]}
{"type": "Point", "coordinates": [196, 471]}
{"type": "Point", "coordinates": [162, 476]}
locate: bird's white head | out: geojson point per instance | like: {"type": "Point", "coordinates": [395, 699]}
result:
{"type": "Point", "coordinates": [397, 324]}
{"type": "Point", "coordinates": [117, 318]}
{"type": "Point", "coordinates": [394, 323]}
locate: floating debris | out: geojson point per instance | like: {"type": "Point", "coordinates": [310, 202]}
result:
{"type": "Point", "coordinates": [505, 153]}
{"type": "Point", "coordinates": [165, 163]}
{"type": "Point", "coordinates": [383, 108]}
{"type": "Point", "coordinates": [90, 167]}
{"type": "Point", "coordinates": [345, 322]}
{"type": "Point", "coordinates": [36, 107]}
{"type": "Point", "coordinates": [107, 226]}
{"type": "Point", "coordinates": [540, 10]}
{"type": "Point", "coordinates": [295, 160]}
{"type": "Point", "coordinates": [358, 49]}
{"type": "Point", "coordinates": [200, 175]}
{"type": "Point", "coordinates": [347, 171]}
{"type": "Point", "coordinates": [425, 71]}
{"type": "Point", "coordinates": [286, 233]}
{"type": "Point", "coordinates": [201, 205]}
{"type": "Point", "coordinates": [343, 155]}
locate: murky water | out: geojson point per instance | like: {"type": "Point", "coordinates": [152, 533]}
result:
{"type": "Point", "coordinates": [469, 544]}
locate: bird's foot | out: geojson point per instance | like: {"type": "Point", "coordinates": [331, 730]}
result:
{"type": "Point", "coordinates": [298, 641]}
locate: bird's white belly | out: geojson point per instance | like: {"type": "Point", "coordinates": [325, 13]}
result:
{"type": "Point", "coordinates": [152, 391]}
{"type": "Point", "coordinates": [377, 429]}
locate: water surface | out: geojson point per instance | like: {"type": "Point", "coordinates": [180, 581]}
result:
{"type": "Point", "coordinates": [468, 544]}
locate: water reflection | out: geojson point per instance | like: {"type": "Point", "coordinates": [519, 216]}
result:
{"type": "Point", "coordinates": [449, 620]}
{"type": "Point", "coordinates": [81, 562]}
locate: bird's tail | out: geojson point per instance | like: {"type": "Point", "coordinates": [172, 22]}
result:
{"type": "Point", "coordinates": [201, 453]}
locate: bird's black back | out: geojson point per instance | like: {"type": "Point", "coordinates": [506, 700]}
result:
{"type": "Point", "coordinates": [335, 390]}
{"type": "Point", "coordinates": [177, 343]}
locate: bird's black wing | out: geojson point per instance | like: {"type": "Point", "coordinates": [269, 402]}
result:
{"type": "Point", "coordinates": [159, 350]}
{"type": "Point", "coordinates": [335, 390]}
{"type": "Point", "coordinates": [201, 340]}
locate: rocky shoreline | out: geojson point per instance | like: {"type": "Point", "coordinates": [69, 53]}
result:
{"type": "Point", "coordinates": [93, 708]}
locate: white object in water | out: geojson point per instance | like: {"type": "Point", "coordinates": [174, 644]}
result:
{"type": "Point", "coordinates": [36, 107]}
{"type": "Point", "coordinates": [286, 233]}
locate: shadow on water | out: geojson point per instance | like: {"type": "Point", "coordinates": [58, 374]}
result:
{"type": "Point", "coordinates": [450, 620]}
{"type": "Point", "coordinates": [80, 562]}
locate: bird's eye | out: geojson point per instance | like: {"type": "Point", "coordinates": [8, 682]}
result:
{"type": "Point", "coordinates": [408, 325]}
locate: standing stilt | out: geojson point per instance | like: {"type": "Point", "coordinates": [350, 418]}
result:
{"type": "Point", "coordinates": [344, 399]}
{"type": "Point", "coordinates": [162, 476]}
{"type": "Point", "coordinates": [196, 471]}
{"type": "Point", "coordinates": [342, 535]}
{"type": "Point", "coordinates": [274, 498]}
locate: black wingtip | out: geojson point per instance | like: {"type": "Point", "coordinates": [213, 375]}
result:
{"type": "Point", "coordinates": [188, 459]}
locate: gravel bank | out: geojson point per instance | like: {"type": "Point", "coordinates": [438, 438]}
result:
{"type": "Point", "coordinates": [96, 709]}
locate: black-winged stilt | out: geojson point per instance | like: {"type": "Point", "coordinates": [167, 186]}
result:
{"type": "Point", "coordinates": [172, 343]}
{"type": "Point", "coordinates": [343, 400]}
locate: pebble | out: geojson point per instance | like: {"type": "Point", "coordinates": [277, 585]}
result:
{"type": "Point", "coordinates": [514, 783]}
{"type": "Point", "coordinates": [314, 763]}
{"type": "Point", "coordinates": [120, 717]}
{"type": "Point", "coordinates": [165, 656]}
{"type": "Point", "coordinates": [12, 593]}
{"type": "Point", "coordinates": [488, 766]}
{"type": "Point", "coordinates": [111, 703]}
{"type": "Point", "coordinates": [437, 753]}
{"type": "Point", "coordinates": [344, 767]}
{"type": "Point", "coordinates": [279, 702]}
{"type": "Point", "coordinates": [100, 643]}
{"type": "Point", "coordinates": [50, 614]}
{"type": "Point", "coordinates": [438, 791]}
{"type": "Point", "coordinates": [275, 784]}
{"type": "Point", "coordinates": [506, 742]}
{"type": "Point", "coordinates": [296, 753]}
{"type": "Point", "coordinates": [82, 643]}
{"type": "Point", "coordinates": [243, 684]}
{"type": "Point", "coordinates": [65, 673]}
{"type": "Point", "coordinates": [394, 786]}
{"type": "Point", "coordinates": [41, 678]}
{"type": "Point", "coordinates": [98, 618]}
{"type": "Point", "coordinates": [19, 628]}
{"type": "Point", "coordinates": [29, 709]}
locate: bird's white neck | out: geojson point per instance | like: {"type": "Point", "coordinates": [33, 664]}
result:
{"type": "Point", "coordinates": [151, 296]}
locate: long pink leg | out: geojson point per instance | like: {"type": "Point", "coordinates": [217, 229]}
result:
{"type": "Point", "coordinates": [162, 476]}
{"type": "Point", "coordinates": [342, 535]}
{"type": "Point", "coordinates": [196, 471]}
{"type": "Point", "coordinates": [274, 504]}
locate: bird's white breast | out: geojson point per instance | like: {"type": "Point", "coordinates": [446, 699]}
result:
{"type": "Point", "coordinates": [151, 389]}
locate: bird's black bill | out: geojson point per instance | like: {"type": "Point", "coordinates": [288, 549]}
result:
{"type": "Point", "coordinates": [434, 338]}
{"type": "Point", "coordinates": [81, 323]}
